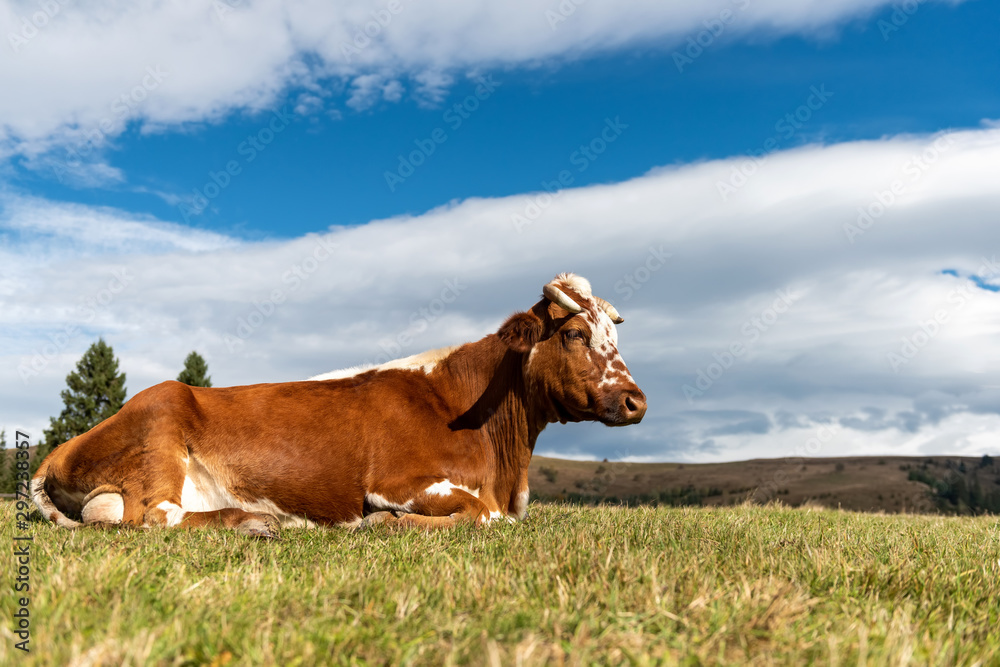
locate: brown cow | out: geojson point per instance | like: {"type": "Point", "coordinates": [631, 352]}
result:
{"type": "Point", "coordinates": [430, 440]}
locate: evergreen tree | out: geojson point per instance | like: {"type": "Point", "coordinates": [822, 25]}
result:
{"type": "Point", "coordinates": [96, 390]}
{"type": "Point", "coordinates": [977, 500]}
{"type": "Point", "coordinates": [195, 371]}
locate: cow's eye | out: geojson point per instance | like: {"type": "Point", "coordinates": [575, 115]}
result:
{"type": "Point", "coordinates": [574, 334]}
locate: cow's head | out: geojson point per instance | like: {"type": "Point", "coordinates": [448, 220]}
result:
{"type": "Point", "coordinates": [573, 368]}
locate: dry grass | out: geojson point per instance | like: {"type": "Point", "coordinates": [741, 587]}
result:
{"type": "Point", "coordinates": [569, 585]}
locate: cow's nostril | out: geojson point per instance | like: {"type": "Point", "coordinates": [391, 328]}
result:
{"type": "Point", "coordinates": [633, 407]}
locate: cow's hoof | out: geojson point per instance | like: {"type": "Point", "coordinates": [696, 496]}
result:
{"type": "Point", "coordinates": [376, 518]}
{"type": "Point", "coordinates": [263, 526]}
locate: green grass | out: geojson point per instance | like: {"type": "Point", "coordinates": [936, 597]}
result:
{"type": "Point", "coordinates": [570, 584]}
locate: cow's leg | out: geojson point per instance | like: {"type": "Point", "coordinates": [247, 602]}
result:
{"type": "Point", "coordinates": [155, 499]}
{"type": "Point", "coordinates": [249, 523]}
{"type": "Point", "coordinates": [443, 511]}
{"type": "Point", "coordinates": [105, 507]}
{"type": "Point", "coordinates": [434, 511]}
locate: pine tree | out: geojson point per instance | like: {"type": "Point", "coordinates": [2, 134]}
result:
{"type": "Point", "coordinates": [976, 497]}
{"type": "Point", "coordinates": [96, 391]}
{"type": "Point", "coordinates": [195, 371]}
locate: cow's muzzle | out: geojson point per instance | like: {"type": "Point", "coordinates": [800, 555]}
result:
{"type": "Point", "coordinates": [630, 408]}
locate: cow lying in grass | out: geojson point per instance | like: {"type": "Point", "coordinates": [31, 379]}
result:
{"type": "Point", "coordinates": [430, 440]}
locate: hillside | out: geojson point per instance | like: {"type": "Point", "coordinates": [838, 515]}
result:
{"type": "Point", "coordinates": [890, 483]}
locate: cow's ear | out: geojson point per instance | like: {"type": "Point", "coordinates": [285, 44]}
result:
{"type": "Point", "coordinates": [521, 331]}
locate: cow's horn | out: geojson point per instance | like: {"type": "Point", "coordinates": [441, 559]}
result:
{"type": "Point", "coordinates": [556, 295]}
{"type": "Point", "coordinates": [610, 310]}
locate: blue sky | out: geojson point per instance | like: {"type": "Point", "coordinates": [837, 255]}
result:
{"type": "Point", "coordinates": [869, 210]}
{"type": "Point", "coordinates": [940, 69]}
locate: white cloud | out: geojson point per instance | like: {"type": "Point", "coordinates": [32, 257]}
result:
{"type": "Point", "coordinates": [692, 272]}
{"type": "Point", "coordinates": [308, 104]}
{"type": "Point", "coordinates": [91, 173]}
{"type": "Point", "coordinates": [368, 89]}
{"type": "Point", "coordinates": [47, 229]}
{"type": "Point", "coordinates": [432, 87]}
{"type": "Point", "coordinates": [392, 91]}
{"type": "Point", "coordinates": [93, 68]}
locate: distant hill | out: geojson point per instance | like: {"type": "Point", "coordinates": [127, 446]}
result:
{"type": "Point", "coordinates": [948, 484]}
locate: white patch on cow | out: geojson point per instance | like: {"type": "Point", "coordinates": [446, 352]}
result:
{"type": "Point", "coordinates": [380, 502]}
{"type": "Point", "coordinates": [265, 506]}
{"type": "Point", "coordinates": [494, 515]}
{"type": "Point", "coordinates": [105, 508]}
{"type": "Point", "coordinates": [444, 488]}
{"type": "Point", "coordinates": [521, 504]}
{"type": "Point", "coordinates": [175, 513]}
{"type": "Point", "coordinates": [603, 333]}
{"type": "Point", "coordinates": [201, 492]}
{"type": "Point", "coordinates": [578, 284]}
{"type": "Point", "coordinates": [604, 342]}
{"type": "Point", "coordinates": [343, 373]}
{"type": "Point", "coordinates": [425, 362]}
{"type": "Point", "coordinates": [607, 380]}
{"type": "Point", "coordinates": [440, 488]}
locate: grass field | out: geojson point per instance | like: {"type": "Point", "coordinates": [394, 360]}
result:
{"type": "Point", "coordinates": [573, 585]}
